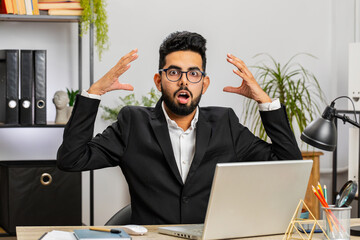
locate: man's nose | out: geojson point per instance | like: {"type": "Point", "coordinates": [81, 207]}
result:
{"type": "Point", "coordinates": [183, 80]}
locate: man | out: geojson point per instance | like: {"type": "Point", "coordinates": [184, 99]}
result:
{"type": "Point", "coordinates": [168, 153]}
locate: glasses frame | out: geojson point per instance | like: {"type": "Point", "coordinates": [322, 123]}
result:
{"type": "Point", "coordinates": [203, 74]}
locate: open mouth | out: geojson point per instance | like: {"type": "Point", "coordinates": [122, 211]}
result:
{"type": "Point", "coordinates": [183, 97]}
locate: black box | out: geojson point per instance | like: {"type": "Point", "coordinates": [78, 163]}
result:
{"type": "Point", "coordinates": [37, 193]}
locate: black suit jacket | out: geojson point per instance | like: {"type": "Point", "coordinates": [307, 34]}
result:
{"type": "Point", "coordinates": [139, 143]}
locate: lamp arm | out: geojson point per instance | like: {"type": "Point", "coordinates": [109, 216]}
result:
{"type": "Point", "coordinates": [347, 119]}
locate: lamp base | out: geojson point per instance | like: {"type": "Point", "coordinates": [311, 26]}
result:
{"type": "Point", "coordinates": [355, 231]}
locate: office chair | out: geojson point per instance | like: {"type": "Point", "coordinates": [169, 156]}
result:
{"type": "Point", "coordinates": [122, 217]}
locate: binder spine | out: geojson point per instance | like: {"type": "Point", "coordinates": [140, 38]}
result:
{"type": "Point", "coordinates": [26, 88]}
{"type": "Point", "coordinates": [12, 86]}
{"type": "Point", "coordinates": [2, 86]}
{"type": "Point", "coordinates": [40, 86]}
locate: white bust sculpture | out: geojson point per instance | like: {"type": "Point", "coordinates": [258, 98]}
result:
{"type": "Point", "coordinates": [63, 112]}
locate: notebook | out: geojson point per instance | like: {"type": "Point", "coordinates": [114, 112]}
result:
{"type": "Point", "coordinates": [86, 234]}
{"type": "Point", "coordinates": [250, 199]}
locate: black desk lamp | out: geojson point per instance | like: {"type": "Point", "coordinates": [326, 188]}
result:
{"type": "Point", "coordinates": [321, 133]}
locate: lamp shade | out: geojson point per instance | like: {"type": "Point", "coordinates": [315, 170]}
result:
{"type": "Point", "coordinates": [321, 133]}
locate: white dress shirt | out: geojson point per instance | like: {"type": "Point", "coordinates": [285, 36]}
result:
{"type": "Point", "coordinates": [183, 142]}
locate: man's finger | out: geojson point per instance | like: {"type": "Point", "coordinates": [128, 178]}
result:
{"type": "Point", "coordinates": [231, 89]}
{"type": "Point", "coordinates": [238, 63]}
{"type": "Point", "coordinates": [125, 60]}
{"type": "Point", "coordinates": [239, 73]}
{"type": "Point", "coordinates": [126, 86]}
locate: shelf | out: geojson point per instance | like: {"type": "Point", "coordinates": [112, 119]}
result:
{"type": "Point", "coordinates": [48, 125]}
{"type": "Point", "coordinates": [33, 163]}
{"type": "Point", "coordinates": [38, 18]}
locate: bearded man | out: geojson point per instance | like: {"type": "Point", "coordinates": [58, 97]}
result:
{"type": "Point", "coordinates": [168, 153]}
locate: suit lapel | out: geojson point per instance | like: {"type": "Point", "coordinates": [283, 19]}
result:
{"type": "Point", "coordinates": [160, 128]}
{"type": "Point", "coordinates": [203, 134]}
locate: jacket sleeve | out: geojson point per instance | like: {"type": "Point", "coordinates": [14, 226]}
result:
{"type": "Point", "coordinates": [283, 144]}
{"type": "Point", "coordinates": [79, 151]}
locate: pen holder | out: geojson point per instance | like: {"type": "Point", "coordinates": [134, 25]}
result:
{"type": "Point", "coordinates": [337, 222]}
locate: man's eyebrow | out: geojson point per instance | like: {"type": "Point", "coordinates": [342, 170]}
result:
{"type": "Point", "coordinates": [194, 68]}
{"type": "Point", "coordinates": [174, 66]}
{"type": "Point", "coordinates": [190, 68]}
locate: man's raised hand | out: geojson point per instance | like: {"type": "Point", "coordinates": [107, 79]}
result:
{"type": "Point", "coordinates": [110, 81]}
{"type": "Point", "coordinates": [249, 87]}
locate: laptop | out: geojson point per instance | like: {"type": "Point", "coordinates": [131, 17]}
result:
{"type": "Point", "coordinates": [250, 199]}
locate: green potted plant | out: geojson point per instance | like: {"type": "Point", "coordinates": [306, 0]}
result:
{"type": "Point", "coordinates": [146, 101]}
{"type": "Point", "coordinates": [296, 87]}
{"type": "Point", "coordinates": [72, 96]}
{"type": "Point", "coordinates": [94, 12]}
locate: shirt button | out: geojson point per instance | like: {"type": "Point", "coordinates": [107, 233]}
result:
{"type": "Point", "coordinates": [183, 162]}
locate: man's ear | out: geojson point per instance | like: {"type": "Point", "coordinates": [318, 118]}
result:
{"type": "Point", "coordinates": [157, 81]}
{"type": "Point", "coordinates": [206, 84]}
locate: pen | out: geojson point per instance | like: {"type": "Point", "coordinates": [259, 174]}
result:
{"type": "Point", "coordinates": [105, 230]}
{"type": "Point", "coordinates": [325, 193]}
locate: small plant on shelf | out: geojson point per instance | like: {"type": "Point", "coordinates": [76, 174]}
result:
{"type": "Point", "coordinates": [72, 96]}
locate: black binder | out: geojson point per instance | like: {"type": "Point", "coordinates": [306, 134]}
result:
{"type": "Point", "coordinates": [40, 86]}
{"type": "Point", "coordinates": [2, 86]}
{"type": "Point", "coordinates": [12, 86]}
{"type": "Point", "coordinates": [26, 90]}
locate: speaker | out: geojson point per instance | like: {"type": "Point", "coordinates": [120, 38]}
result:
{"type": "Point", "coordinates": [37, 193]}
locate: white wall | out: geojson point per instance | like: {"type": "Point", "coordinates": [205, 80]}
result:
{"type": "Point", "coordinates": [281, 28]}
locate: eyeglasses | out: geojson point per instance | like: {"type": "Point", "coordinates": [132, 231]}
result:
{"type": "Point", "coordinates": [174, 74]}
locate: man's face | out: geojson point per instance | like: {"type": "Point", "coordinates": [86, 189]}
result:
{"type": "Point", "coordinates": [182, 97]}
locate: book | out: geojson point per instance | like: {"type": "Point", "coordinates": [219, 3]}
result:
{"type": "Point", "coordinates": [59, 5]}
{"type": "Point", "coordinates": [65, 12]}
{"type": "Point", "coordinates": [35, 7]}
{"type": "Point", "coordinates": [55, 234]}
{"type": "Point", "coordinates": [6, 7]}
{"type": "Point", "coordinates": [22, 9]}
{"type": "Point", "coordinates": [28, 7]}
{"type": "Point", "coordinates": [87, 234]}
{"type": "Point", "coordinates": [15, 7]}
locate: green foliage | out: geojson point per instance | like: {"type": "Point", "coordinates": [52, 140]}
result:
{"type": "Point", "coordinates": [99, 18]}
{"type": "Point", "coordinates": [72, 96]}
{"type": "Point", "coordinates": [296, 88]}
{"type": "Point", "coordinates": [146, 101]}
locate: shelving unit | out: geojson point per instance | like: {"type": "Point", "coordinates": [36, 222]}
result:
{"type": "Point", "coordinates": [61, 19]}
{"type": "Point", "coordinates": [334, 161]}
{"type": "Point", "coordinates": [47, 19]}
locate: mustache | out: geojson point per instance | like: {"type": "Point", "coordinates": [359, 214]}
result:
{"type": "Point", "coordinates": [183, 88]}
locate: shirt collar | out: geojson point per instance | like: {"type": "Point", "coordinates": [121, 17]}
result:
{"type": "Point", "coordinates": [173, 124]}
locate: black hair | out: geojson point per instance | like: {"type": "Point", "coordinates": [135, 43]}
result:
{"type": "Point", "coordinates": [182, 41]}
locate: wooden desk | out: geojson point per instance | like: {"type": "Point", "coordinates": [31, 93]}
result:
{"type": "Point", "coordinates": [34, 233]}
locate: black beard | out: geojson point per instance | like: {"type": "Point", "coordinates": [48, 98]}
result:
{"type": "Point", "coordinates": [180, 109]}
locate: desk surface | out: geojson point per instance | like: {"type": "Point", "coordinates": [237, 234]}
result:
{"type": "Point", "coordinates": [34, 233]}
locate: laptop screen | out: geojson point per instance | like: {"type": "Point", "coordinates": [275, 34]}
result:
{"type": "Point", "coordinates": [255, 198]}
